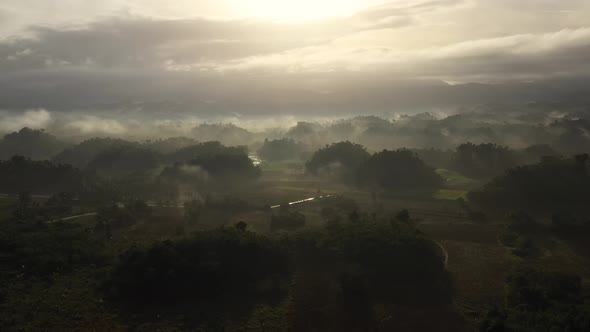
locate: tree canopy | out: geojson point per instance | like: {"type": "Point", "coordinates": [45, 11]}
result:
{"type": "Point", "coordinates": [397, 170]}
{"type": "Point", "coordinates": [31, 143]}
{"type": "Point", "coordinates": [200, 267]}
{"type": "Point", "coordinates": [340, 158]}
{"type": "Point", "coordinates": [552, 184]}
{"type": "Point", "coordinates": [20, 174]}
{"type": "Point", "coordinates": [483, 160]}
{"type": "Point", "coordinates": [280, 149]}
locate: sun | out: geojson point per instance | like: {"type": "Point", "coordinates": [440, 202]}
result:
{"type": "Point", "coordinates": [300, 10]}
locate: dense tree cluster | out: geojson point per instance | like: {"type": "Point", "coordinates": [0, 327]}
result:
{"type": "Point", "coordinates": [554, 184]}
{"type": "Point", "coordinates": [82, 154]}
{"type": "Point", "coordinates": [415, 265]}
{"type": "Point", "coordinates": [169, 145]}
{"type": "Point", "coordinates": [226, 168]}
{"type": "Point", "coordinates": [483, 160]}
{"type": "Point", "coordinates": [20, 174]}
{"type": "Point", "coordinates": [30, 143]}
{"type": "Point", "coordinates": [540, 301]}
{"type": "Point", "coordinates": [207, 265]}
{"type": "Point", "coordinates": [208, 149]}
{"type": "Point", "coordinates": [342, 158]}
{"type": "Point", "coordinates": [42, 249]}
{"type": "Point", "coordinates": [123, 161]}
{"type": "Point", "coordinates": [229, 134]}
{"type": "Point", "coordinates": [280, 149]}
{"type": "Point", "coordinates": [397, 170]}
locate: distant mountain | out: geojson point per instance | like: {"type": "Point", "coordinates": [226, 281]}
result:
{"type": "Point", "coordinates": [301, 95]}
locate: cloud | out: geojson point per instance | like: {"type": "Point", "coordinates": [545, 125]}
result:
{"type": "Point", "coordinates": [92, 125]}
{"type": "Point", "coordinates": [35, 119]}
{"type": "Point", "coordinates": [563, 53]}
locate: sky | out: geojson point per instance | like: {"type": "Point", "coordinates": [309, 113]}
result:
{"type": "Point", "coordinates": [268, 57]}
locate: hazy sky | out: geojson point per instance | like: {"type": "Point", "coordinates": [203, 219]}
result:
{"type": "Point", "coordinates": [241, 56]}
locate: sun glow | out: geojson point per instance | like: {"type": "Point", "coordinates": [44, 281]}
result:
{"type": "Point", "coordinates": [300, 10]}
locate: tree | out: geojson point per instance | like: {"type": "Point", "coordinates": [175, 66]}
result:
{"type": "Point", "coordinates": [554, 184]}
{"type": "Point", "coordinates": [397, 170]}
{"type": "Point", "coordinates": [31, 143]}
{"type": "Point", "coordinates": [23, 174]}
{"type": "Point", "coordinates": [483, 160]}
{"type": "Point", "coordinates": [241, 226]}
{"type": "Point", "coordinates": [204, 266]}
{"type": "Point", "coordinates": [281, 149]}
{"type": "Point", "coordinates": [340, 159]}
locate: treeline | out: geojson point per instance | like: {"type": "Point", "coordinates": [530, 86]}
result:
{"type": "Point", "coordinates": [518, 129]}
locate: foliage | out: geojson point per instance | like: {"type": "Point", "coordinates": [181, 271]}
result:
{"type": "Point", "coordinates": [209, 149]}
{"type": "Point", "coordinates": [201, 267]}
{"type": "Point", "coordinates": [169, 145]}
{"type": "Point", "coordinates": [435, 157]}
{"type": "Point", "coordinates": [553, 184]}
{"type": "Point", "coordinates": [82, 154]}
{"type": "Point", "coordinates": [20, 174]}
{"type": "Point", "coordinates": [342, 158]}
{"type": "Point", "coordinates": [397, 170]}
{"type": "Point", "coordinates": [31, 143]}
{"type": "Point", "coordinates": [280, 149]}
{"type": "Point", "coordinates": [42, 249]}
{"type": "Point", "coordinates": [117, 216]}
{"type": "Point", "coordinates": [123, 161]}
{"type": "Point", "coordinates": [226, 133]}
{"type": "Point", "coordinates": [540, 301]}
{"type": "Point", "coordinates": [210, 161]}
{"type": "Point", "coordinates": [413, 261]}
{"type": "Point", "coordinates": [483, 160]}
{"type": "Point", "coordinates": [287, 220]}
